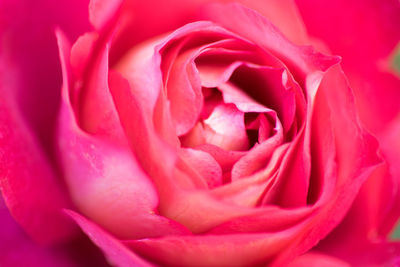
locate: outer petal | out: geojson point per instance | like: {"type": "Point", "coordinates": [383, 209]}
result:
{"type": "Point", "coordinates": [315, 259]}
{"type": "Point", "coordinates": [17, 249]}
{"type": "Point", "coordinates": [175, 13]}
{"type": "Point", "coordinates": [211, 250]}
{"type": "Point", "coordinates": [28, 183]}
{"type": "Point", "coordinates": [104, 179]}
{"type": "Point", "coordinates": [364, 33]}
{"type": "Point", "coordinates": [379, 253]}
{"type": "Point", "coordinates": [29, 81]}
{"type": "Point", "coordinates": [390, 144]}
{"type": "Point", "coordinates": [116, 253]}
{"type": "Point", "coordinates": [27, 36]}
{"type": "Point", "coordinates": [352, 28]}
{"type": "Point", "coordinates": [249, 24]}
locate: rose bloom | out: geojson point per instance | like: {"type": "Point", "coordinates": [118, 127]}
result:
{"type": "Point", "coordinates": [199, 133]}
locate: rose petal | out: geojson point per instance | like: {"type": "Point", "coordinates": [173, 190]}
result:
{"type": "Point", "coordinates": [249, 191]}
{"type": "Point", "coordinates": [178, 201]}
{"type": "Point", "coordinates": [271, 88]}
{"type": "Point", "coordinates": [239, 249]}
{"type": "Point", "coordinates": [205, 165]}
{"type": "Point", "coordinates": [315, 259]}
{"type": "Point", "coordinates": [17, 249]}
{"type": "Point", "coordinates": [183, 89]}
{"type": "Point", "coordinates": [376, 208]}
{"type": "Point", "coordinates": [375, 88]}
{"type": "Point", "coordinates": [378, 253]}
{"type": "Point", "coordinates": [271, 219]}
{"type": "Point", "coordinates": [390, 146]}
{"type": "Point", "coordinates": [225, 128]}
{"type": "Point", "coordinates": [30, 50]}
{"type": "Point", "coordinates": [115, 251]}
{"type": "Point", "coordinates": [91, 96]}
{"type": "Point", "coordinates": [175, 13]}
{"type": "Point", "coordinates": [102, 12]}
{"type": "Point", "coordinates": [105, 180]}
{"type": "Point", "coordinates": [257, 157]}
{"type": "Point", "coordinates": [336, 24]}
{"type": "Point", "coordinates": [225, 158]}
{"type": "Point", "coordinates": [28, 182]}
{"type": "Point", "coordinates": [251, 25]}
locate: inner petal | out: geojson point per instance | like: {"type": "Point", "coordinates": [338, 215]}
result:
{"type": "Point", "coordinates": [269, 86]}
{"type": "Point", "coordinates": [225, 128]}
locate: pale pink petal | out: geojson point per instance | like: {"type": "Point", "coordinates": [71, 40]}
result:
{"type": "Point", "coordinates": [225, 128]}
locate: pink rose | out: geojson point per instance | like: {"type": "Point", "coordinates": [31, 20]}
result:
{"type": "Point", "coordinates": [199, 133]}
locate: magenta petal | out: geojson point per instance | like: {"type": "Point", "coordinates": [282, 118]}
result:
{"type": "Point", "coordinates": [390, 145]}
{"type": "Point", "coordinates": [115, 251]}
{"type": "Point", "coordinates": [370, 254]}
{"type": "Point", "coordinates": [354, 37]}
{"type": "Point", "coordinates": [377, 254]}
{"type": "Point", "coordinates": [30, 188]}
{"type": "Point", "coordinates": [28, 183]}
{"type": "Point", "coordinates": [17, 249]}
{"type": "Point", "coordinates": [30, 68]}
